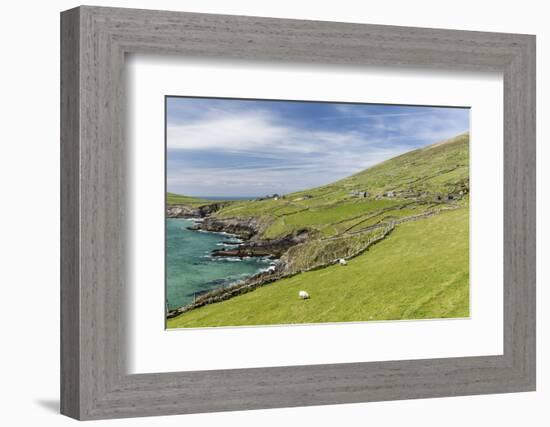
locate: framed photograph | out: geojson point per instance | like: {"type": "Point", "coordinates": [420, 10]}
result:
{"type": "Point", "coordinates": [262, 213]}
{"type": "Point", "coordinates": [288, 193]}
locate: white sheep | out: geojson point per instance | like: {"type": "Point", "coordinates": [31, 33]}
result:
{"type": "Point", "coordinates": [303, 295]}
{"type": "Point", "coordinates": [342, 261]}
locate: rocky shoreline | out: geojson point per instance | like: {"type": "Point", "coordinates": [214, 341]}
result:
{"type": "Point", "coordinates": [247, 229]}
{"type": "Point", "coordinates": [186, 211]}
{"type": "Point", "coordinates": [261, 279]}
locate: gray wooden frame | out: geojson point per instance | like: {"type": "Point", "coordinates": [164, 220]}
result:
{"type": "Point", "coordinates": [94, 382]}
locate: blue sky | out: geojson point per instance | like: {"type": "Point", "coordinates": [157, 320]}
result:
{"type": "Point", "coordinates": [240, 148]}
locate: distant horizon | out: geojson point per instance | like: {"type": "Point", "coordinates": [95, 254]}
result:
{"type": "Point", "coordinates": [245, 149]}
{"type": "Point", "coordinates": [218, 197]}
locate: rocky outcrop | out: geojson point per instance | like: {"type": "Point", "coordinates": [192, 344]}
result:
{"type": "Point", "coordinates": [249, 229]}
{"type": "Point", "coordinates": [206, 210]}
{"type": "Point", "coordinates": [272, 247]}
{"type": "Point", "coordinates": [177, 211]}
{"type": "Point", "coordinates": [187, 211]}
{"type": "Point", "coordinates": [245, 228]}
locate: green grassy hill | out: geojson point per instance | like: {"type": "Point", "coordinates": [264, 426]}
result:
{"type": "Point", "coordinates": [177, 199]}
{"type": "Point", "coordinates": [419, 270]}
{"type": "Point", "coordinates": [407, 184]}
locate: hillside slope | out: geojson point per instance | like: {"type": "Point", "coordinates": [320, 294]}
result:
{"type": "Point", "coordinates": [416, 181]}
{"type": "Point", "coordinates": [418, 272]}
{"type": "Point", "coordinates": [402, 225]}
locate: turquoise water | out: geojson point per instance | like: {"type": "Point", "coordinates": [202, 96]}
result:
{"type": "Point", "coordinates": [191, 270]}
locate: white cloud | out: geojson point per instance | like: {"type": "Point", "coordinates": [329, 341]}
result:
{"type": "Point", "coordinates": [227, 132]}
{"type": "Point", "coordinates": [279, 157]}
{"type": "Point", "coordinates": [260, 133]}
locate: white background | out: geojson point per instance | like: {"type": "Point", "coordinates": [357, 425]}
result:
{"type": "Point", "coordinates": [154, 350]}
{"type": "Point", "coordinates": [29, 235]}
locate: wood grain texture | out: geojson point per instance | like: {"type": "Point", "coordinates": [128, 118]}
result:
{"type": "Point", "coordinates": [95, 383]}
{"type": "Point", "coordinates": [70, 291]}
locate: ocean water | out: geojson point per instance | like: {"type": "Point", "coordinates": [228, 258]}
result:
{"type": "Point", "coordinates": [191, 270]}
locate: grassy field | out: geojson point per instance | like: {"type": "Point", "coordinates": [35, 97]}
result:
{"type": "Point", "coordinates": [177, 199]}
{"type": "Point", "coordinates": [419, 271]}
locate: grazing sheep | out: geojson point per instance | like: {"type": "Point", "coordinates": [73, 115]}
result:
{"type": "Point", "coordinates": [342, 261]}
{"type": "Point", "coordinates": [303, 295]}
